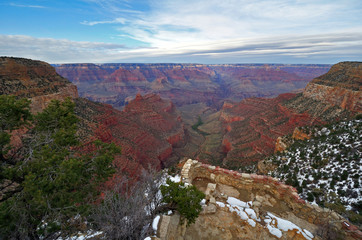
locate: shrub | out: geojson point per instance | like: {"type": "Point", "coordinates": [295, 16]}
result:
{"type": "Point", "coordinates": [310, 197]}
{"type": "Point", "coordinates": [185, 199]}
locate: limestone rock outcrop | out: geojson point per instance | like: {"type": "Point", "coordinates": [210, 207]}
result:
{"type": "Point", "coordinates": [249, 206]}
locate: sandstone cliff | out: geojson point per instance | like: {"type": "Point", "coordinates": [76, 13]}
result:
{"type": "Point", "coordinates": [341, 86]}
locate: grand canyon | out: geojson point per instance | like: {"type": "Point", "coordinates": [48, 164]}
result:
{"type": "Point", "coordinates": [216, 94]}
{"type": "Point", "coordinates": [229, 116]}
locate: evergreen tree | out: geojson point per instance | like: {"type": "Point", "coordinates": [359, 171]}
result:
{"type": "Point", "coordinates": [185, 199]}
{"type": "Point", "coordinates": [55, 182]}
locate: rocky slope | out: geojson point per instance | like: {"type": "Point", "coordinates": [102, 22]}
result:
{"type": "Point", "coordinates": [341, 86]}
{"type": "Point", "coordinates": [148, 129]}
{"type": "Point", "coordinates": [249, 206]}
{"type": "Point", "coordinates": [35, 80]}
{"type": "Point", "coordinates": [187, 83]}
{"type": "Point", "coordinates": [325, 166]}
{"type": "Point", "coordinates": [253, 125]}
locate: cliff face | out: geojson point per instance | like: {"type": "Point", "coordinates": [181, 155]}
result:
{"type": "Point", "coordinates": [148, 130]}
{"type": "Point", "coordinates": [254, 125]}
{"type": "Point", "coordinates": [186, 83]}
{"type": "Point", "coordinates": [35, 80]}
{"type": "Point", "coordinates": [341, 86]}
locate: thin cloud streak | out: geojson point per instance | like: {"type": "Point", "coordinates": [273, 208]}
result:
{"type": "Point", "coordinates": [92, 23]}
{"type": "Point", "coordinates": [25, 6]}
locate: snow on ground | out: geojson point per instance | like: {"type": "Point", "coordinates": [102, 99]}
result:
{"type": "Point", "coordinates": [83, 236]}
{"type": "Point", "coordinates": [328, 167]}
{"type": "Point", "coordinates": [274, 224]}
{"type": "Point", "coordinates": [175, 179]}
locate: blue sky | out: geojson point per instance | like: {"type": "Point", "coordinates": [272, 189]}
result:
{"type": "Point", "coordinates": [196, 31]}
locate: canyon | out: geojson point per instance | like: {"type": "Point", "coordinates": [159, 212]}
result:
{"type": "Point", "coordinates": [188, 116]}
{"type": "Point", "coordinates": [157, 105]}
{"type": "Point", "coordinates": [148, 129]}
{"type": "Point", "coordinates": [253, 125]}
{"type": "Point", "coordinates": [117, 84]}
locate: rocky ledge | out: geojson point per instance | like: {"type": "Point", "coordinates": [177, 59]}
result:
{"type": "Point", "coordinates": [250, 206]}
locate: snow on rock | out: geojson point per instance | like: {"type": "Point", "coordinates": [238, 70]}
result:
{"type": "Point", "coordinates": [238, 211]}
{"type": "Point", "coordinates": [236, 202]}
{"type": "Point", "coordinates": [220, 204]}
{"type": "Point", "coordinates": [155, 222]}
{"type": "Point", "coordinates": [285, 225]}
{"type": "Point", "coordinates": [251, 222]}
{"type": "Point", "coordinates": [175, 179]}
{"type": "Point", "coordinates": [275, 231]}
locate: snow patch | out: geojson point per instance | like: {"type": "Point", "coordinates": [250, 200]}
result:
{"type": "Point", "coordinates": [155, 222]}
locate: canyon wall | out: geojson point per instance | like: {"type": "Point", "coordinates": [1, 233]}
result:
{"type": "Point", "coordinates": [183, 84]}
{"type": "Point", "coordinates": [148, 129]}
{"type": "Point", "coordinates": [253, 125]}
{"type": "Point", "coordinates": [341, 86]}
{"type": "Point", "coordinates": [35, 80]}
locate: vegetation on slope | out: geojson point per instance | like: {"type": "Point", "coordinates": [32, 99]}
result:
{"type": "Point", "coordinates": [51, 185]}
{"type": "Point", "coordinates": [326, 169]}
{"type": "Point", "coordinates": [47, 184]}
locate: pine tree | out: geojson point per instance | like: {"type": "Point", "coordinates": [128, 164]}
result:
{"type": "Point", "coordinates": [185, 199]}
{"type": "Point", "coordinates": [55, 181]}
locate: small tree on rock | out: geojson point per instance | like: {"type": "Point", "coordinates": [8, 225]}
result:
{"type": "Point", "coordinates": [185, 199]}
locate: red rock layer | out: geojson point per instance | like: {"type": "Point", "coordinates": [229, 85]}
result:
{"type": "Point", "coordinates": [341, 86]}
{"type": "Point", "coordinates": [253, 126]}
{"type": "Point", "coordinates": [147, 129]}
{"type": "Point", "coordinates": [35, 80]}
{"type": "Point", "coordinates": [186, 83]}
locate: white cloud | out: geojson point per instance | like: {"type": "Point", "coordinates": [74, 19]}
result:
{"type": "Point", "coordinates": [213, 31]}
{"type": "Point", "coordinates": [92, 23]}
{"type": "Point", "coordinates": [25, 6]}
{"type": "Point", "coordinates": [57, 50]}
{"type": "Point", "coordinates": [325, 47]}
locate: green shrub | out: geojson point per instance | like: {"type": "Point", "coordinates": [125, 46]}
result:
{"type": "Point", "coordinates": [185, 199]}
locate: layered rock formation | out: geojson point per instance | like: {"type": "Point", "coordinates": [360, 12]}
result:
{"type": "Point", "coordinates": [35, 80]}
{"type": "Point", "coordinates": [341, 86]}
{"type": "Point", "coordinates": [187, 83]}
{"type": "Point", "coordinates": [148, 129]}
{"type": "Point", "coordinates": [253, 126]}
{"type": "Point", "coordinates": [249, 206]}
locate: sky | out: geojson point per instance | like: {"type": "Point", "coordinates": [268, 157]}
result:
{"type": "Point", "coordinates": [182, 31]}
